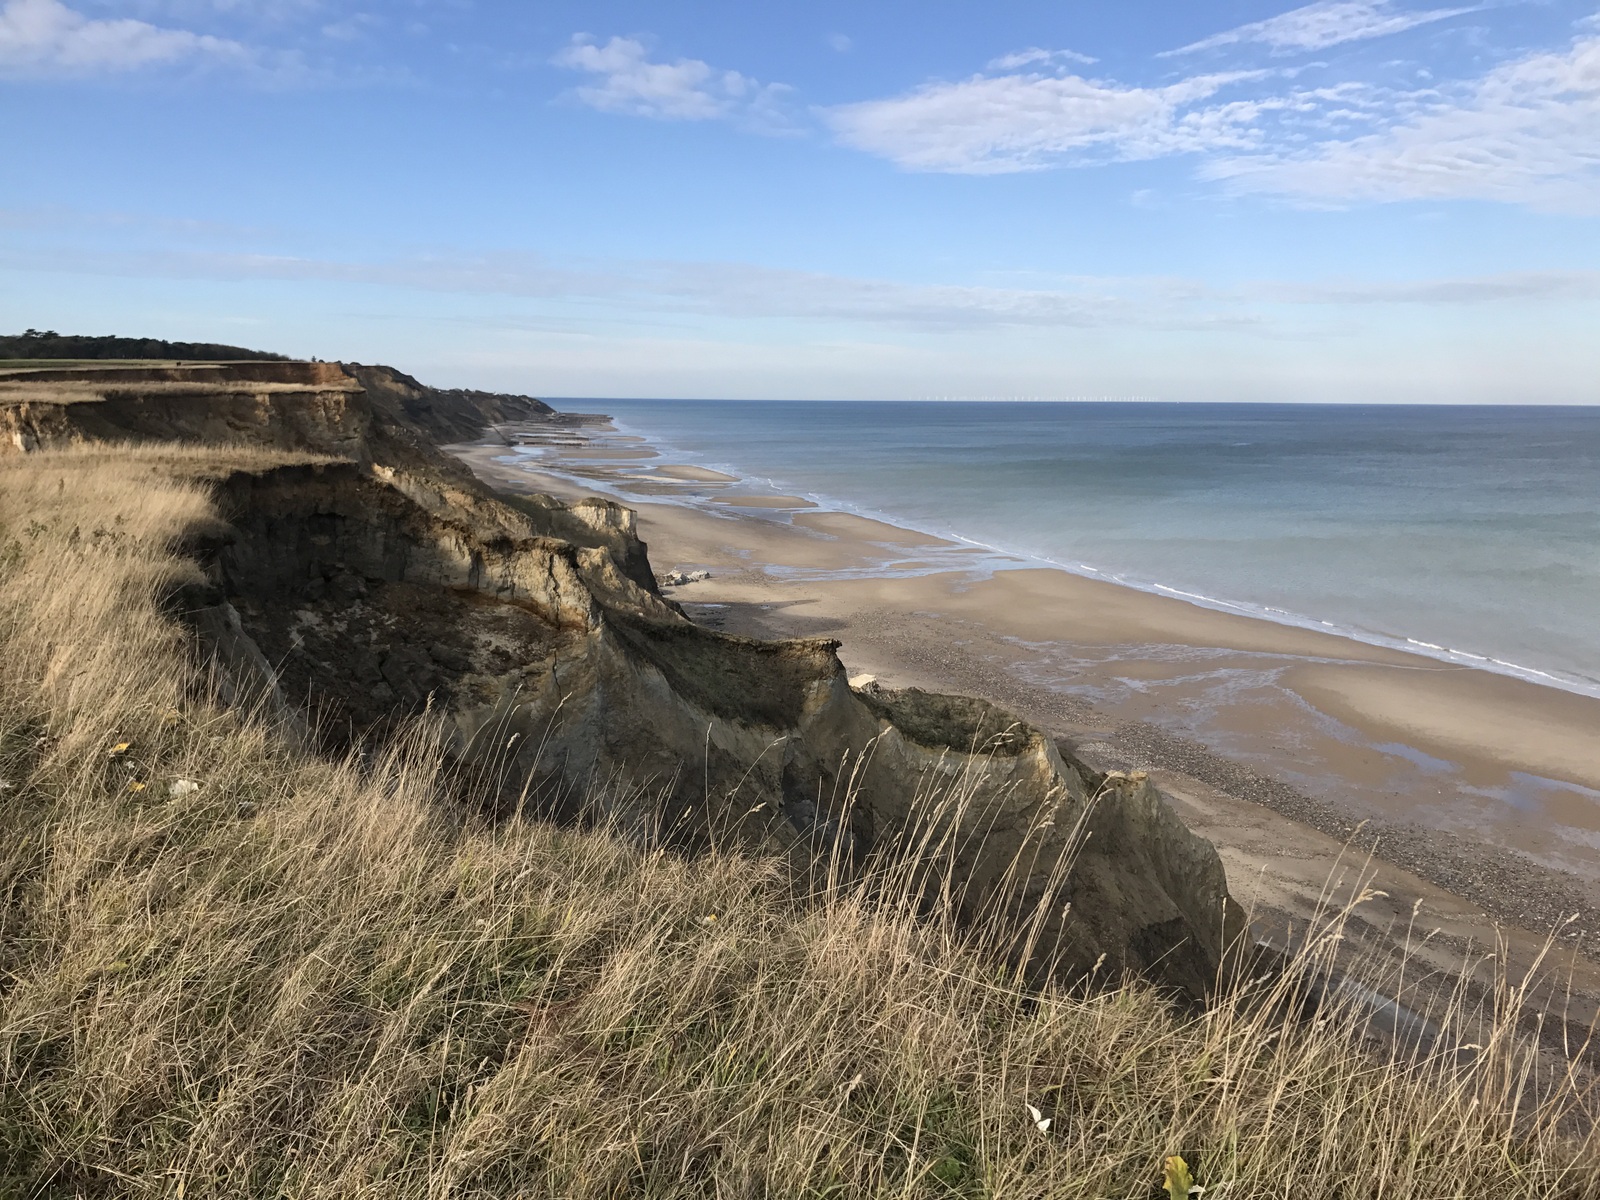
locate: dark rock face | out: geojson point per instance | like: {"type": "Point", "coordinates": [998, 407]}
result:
{"type": "Point", "coordinates": [350, 596]}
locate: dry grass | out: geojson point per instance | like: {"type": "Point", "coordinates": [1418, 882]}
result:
{"type": "Point", "coordinates": [301, 979]}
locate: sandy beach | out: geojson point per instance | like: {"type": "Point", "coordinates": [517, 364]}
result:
{"type": "Point", "coordinates": [1296, 752]}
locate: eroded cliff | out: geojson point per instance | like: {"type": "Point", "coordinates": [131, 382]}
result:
{"type": "Point", "coordinates": [353, 594]}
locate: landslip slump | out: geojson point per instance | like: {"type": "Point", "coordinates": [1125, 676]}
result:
{"type": "Point", "coordinates": [574, 690]}
{"type": "Point", "coordinates": [354, 593]}
{"type": "Point", "coordinates": [806, 766]}
{"type": "Point", "coordinates": [369, 603]}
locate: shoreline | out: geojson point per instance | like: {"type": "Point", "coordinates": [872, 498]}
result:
{"type": "Point", "coordinates": [1282, 745]}
{"type": "Point", "coordinates": [1577, 684]}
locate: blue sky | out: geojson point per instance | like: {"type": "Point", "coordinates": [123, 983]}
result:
{"type": "Point", "coordinates": [1352, 200]}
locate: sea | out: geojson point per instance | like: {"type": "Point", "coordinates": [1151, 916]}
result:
{"type": "Point", "coordinates": [1467, 533]}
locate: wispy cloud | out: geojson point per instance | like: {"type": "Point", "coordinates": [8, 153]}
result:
{"type": "Point", "coordinates": [46, 38]}
{"type": "Point", "coordinates": [1034, 55]}
{"type": "Point", "coordinates": [629, 83]}
{"type": "Point", "coordinates": [1508, 286]}
{"type": "Point", "coordinates": [1523, 134]}
{"type": "Point", "coordinates": [1323, 24]}
{"type": "Point", "coordinates": [1022, 121]}
{"type": "Point", "coordinates": [678, 290]}
{"type": "Point", "coordinates": [684, 292]}
{"type": "Point", "coordinates": [352, 28]}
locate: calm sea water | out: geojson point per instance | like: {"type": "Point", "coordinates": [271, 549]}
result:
{"type": "Point", "coordinates": [1466, 532]}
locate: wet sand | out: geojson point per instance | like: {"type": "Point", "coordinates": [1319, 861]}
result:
{"type": "Point", "coordinates": [691, 474]}
{"type": "Point", "coordinates": [1481, 792]}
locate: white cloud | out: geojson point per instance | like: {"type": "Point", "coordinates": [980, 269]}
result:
{"type": "Point", "coordinates": [991, 124]}
{"type": "Point", "coordinates": [1024, 58]}
{"type": "Point", "coordinates": [352, 28]}
{"type": "Point", "coordinates": [1323, 24]}
{"type": "Point", "coordinates": [630, 84]}
{"type": "Point", "coordinates": [45, 37]}
{"type": "Point", "coordinates": [1528, 132]}
{"type": "Point", "coordinates": [841, 42]}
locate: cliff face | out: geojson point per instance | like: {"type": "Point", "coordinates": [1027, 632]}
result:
{"type": "Point", "coordinates": [289, 406]}
{"type": "Point", "coordinates": [382, 420]}
{"type": "Point", "coordinates": [353, 411]}
{"type": "Point", "coordinates": [442, 415]}
{"type": "Point", "coordinates": [353, 594]}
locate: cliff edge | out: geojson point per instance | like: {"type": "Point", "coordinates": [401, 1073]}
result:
{"type": "Point", "coordinates": [382, 580]}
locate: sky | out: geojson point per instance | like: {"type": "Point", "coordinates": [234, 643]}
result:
{"type": "Point", "coordinates": [1345, 201]}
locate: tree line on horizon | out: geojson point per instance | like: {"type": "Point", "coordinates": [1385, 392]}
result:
{"type": "Point", "coordinates": [47, 343]}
